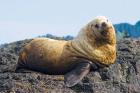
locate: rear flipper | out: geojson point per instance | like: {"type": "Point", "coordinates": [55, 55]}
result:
{"type": "Point", "coordinates": [77, 74]}
{"type": "Point", "coordinates": [22, 67]}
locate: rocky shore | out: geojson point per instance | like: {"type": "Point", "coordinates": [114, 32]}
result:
{"type": "Point", "coordinates": [121, 77]}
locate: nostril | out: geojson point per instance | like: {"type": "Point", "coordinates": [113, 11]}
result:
{"type": "Point", "coordinates": [104, 24]}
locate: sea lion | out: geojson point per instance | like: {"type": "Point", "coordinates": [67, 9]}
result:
{"type": "Point", "coordinates": [92, 48]}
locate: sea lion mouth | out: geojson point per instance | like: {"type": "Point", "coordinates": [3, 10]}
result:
{"type": "Point", "coordinates": [106, 31]}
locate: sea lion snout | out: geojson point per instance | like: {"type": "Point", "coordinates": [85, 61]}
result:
{"type": "Point", "coordinates": [106, 31]}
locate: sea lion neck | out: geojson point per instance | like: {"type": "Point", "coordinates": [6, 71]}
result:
{"type": "Point", "coordinates": [82, 45]}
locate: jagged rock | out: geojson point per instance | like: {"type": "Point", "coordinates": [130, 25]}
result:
{"type": "Point", "coordinates": [121, 77]}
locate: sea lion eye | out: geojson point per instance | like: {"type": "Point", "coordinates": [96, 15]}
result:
{"type": "Point", "coordinates": [97, 26]}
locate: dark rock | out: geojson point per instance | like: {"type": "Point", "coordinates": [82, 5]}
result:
{"type": "Point", "coordinates": [121, 77]}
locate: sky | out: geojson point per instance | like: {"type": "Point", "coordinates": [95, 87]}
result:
{"type": "Point", "coordinates": [22, 19]}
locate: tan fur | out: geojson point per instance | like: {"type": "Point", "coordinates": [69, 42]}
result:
{"type": "Point", "coordinates": [61, 56]}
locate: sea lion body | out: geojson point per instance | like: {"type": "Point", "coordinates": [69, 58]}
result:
{"type": "Point", "coordinates": [95, 43]}
{"type": "Point", "coordinates": [44, 55]}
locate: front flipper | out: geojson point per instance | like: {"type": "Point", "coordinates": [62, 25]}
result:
{"type": "Point", "coordinates": [77, 74]}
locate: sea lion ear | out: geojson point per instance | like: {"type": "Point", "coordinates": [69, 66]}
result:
{"type": "Point", "coordinates": [77, 74]}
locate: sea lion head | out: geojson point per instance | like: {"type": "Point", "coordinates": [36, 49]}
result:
{"type": "Point", "coordinates": [102, 29]}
